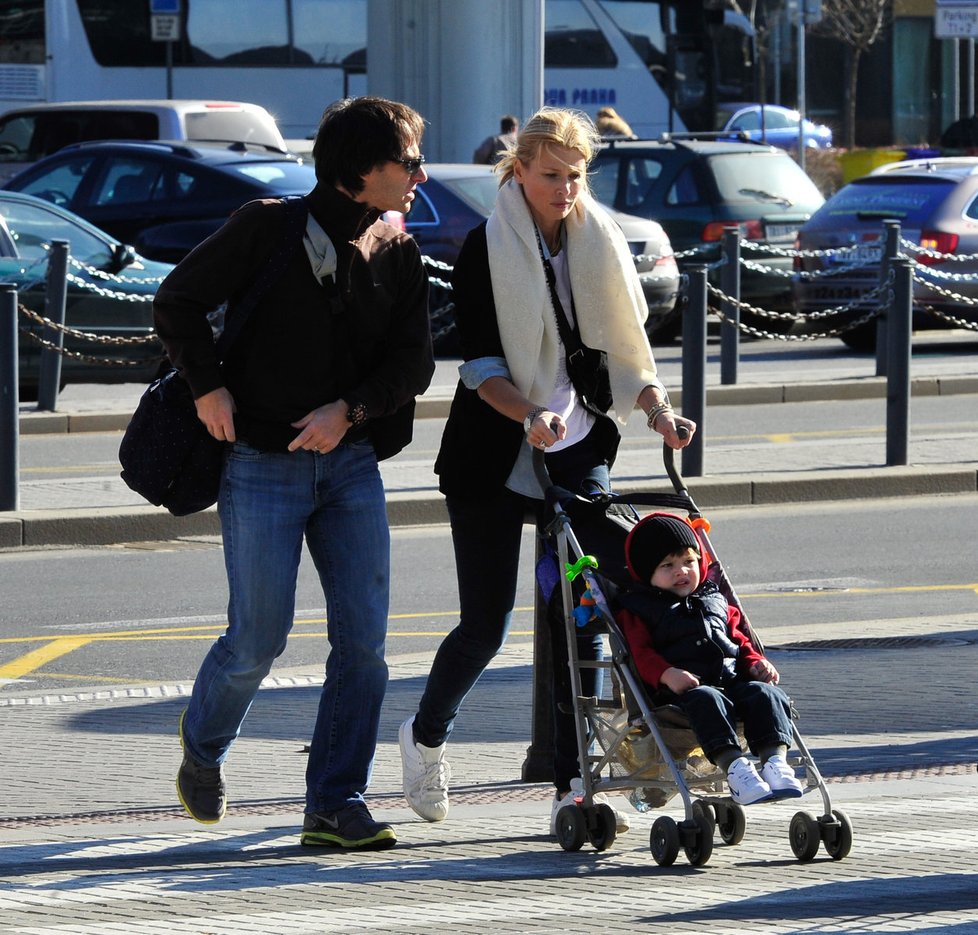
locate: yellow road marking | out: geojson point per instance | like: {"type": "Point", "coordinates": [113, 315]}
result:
{"type": "Point", "coordinates": [62, 645]}
{"type": "Point", "coordinates": [30, 662]}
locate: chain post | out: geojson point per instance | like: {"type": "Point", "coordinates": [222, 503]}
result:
{"type": "Point", "coordinates": [694, 368]}
{"type": "Point", "coordinates": [890, 251]}
{"type": "Point", "coordinates": [9, 401]}
{"type": "Point", "coordinates": [49, 377]}
{"type": "Point", "coordinates": [898, 364]}
{"type": "Point", "coordinates": [730, 326]}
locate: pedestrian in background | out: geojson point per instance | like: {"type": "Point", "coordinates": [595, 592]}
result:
{"type": "Point", "coordinates": [319, 386]}
{"type": "Point", "coordinates": [550, 313]}
{"type": "Point", "coordinates": [492, 148]}
{"type": "Point", "coordinates": [609, 123]}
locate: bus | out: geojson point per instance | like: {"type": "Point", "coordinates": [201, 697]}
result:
{"type": "Point", "coordinates": [662, 64]}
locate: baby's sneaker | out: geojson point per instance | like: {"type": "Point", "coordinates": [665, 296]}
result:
{"type": "Point", "coordinates": [746, 786]}
{"type": "Point", "coordinates": [781, 778]}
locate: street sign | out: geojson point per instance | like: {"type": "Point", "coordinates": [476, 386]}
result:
{"type": "Point", "coordinates": [164, 6]}
{"type": "Point", "coordinates": [956, 19]}
{"type": "Point", "coordinates": [164, 27]}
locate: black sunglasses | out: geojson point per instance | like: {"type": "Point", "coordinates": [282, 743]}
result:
{"type": "Point", "coordinates": [412, 165]}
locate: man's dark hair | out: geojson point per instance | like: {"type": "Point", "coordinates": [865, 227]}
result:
{"type": "Point", "coordinates": [360, 133]}
{"type": "Point", "coordinates": [508, 123]}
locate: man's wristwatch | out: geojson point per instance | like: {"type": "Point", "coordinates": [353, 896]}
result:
{"type": "Point", "coordinates": [531, 417]}
{"type": "Point", "coordinates": [356, 414]}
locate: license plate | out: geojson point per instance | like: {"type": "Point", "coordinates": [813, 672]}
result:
{"type": "Point", "coordinates": [781, 231]}
{"type": "Point", "coordinates": [863, 254]}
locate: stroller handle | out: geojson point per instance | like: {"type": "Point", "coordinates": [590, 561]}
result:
{"type": "Point", "coordinates": [669, 462]}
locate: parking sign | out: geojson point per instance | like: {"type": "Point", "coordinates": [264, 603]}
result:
{"type": "Point", "coordinates": [956, 19]}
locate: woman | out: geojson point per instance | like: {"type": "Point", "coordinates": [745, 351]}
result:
{"type": "Point", "coordinates": [546, 286]}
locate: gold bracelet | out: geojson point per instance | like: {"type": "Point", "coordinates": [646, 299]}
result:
{"type": "Point", "coordinates": [657, 411]}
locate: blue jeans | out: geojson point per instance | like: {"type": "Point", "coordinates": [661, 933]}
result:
{"type": "Point", "coordinates": [713, 713]}
{"type": "Point", "coordinates": [486, 534]}
{"type": "Point", "coordinates": [268, 502]}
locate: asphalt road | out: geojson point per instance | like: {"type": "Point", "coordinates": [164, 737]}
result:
{"type": "Point", "coordinates": [145, 613]}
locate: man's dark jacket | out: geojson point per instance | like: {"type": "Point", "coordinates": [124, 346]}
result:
{"type": "Point", "coordinates": [362, 337]}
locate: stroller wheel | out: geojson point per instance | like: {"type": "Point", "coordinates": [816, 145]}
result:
{"type": "Point", "coordinates": [571, 828]}
{"type": "Point", "coordinates": [698, 835]}
{"type": "Point", "coordinates": [605, 827]}
{"type": "Point", "coordinates": [731, 822]}
{"type": "Point", "coordinates": [805, 836]}
{"type": "Point", "coordinates": [837, 834]}
{"type": "Point", "coordinates": [664, 841]}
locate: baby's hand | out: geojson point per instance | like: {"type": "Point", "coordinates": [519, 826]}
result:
{"type": "Point", "coordinates": [678, 680]}
{"type": "Point", "coordinates": [763, 671]}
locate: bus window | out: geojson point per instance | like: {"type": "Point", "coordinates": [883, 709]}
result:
{"type": "Point", "coordinates": [641, 24]}
{"type": "Point", "coordinates": [573, 40]}
{"type": "Point", "coordinates": [240, 32]}
{"type": "Point", "coordinates": [330, 32]}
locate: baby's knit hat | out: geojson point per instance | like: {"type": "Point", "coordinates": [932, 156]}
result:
{"type": "Point", "coordinates": [655, 537]}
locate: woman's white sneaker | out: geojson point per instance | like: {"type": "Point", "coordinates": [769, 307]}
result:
{"type": "Point", "coordinates": [426, 774]}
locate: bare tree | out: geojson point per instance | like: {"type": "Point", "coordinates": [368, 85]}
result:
{"type": "Point", "coordinates": [857, 24]}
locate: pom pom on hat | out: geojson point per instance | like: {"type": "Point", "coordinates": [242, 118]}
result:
{"type": "Point", "coordinates": [654, 538]}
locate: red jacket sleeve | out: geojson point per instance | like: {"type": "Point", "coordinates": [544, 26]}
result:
{"type": "Point", "coordinates": [748, 654]}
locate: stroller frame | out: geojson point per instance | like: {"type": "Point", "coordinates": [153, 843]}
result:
{"type": "Point", "coordinates": [605, 724]}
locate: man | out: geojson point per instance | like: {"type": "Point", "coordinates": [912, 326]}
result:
{"type": "Point", "coordinates": [490, 148]}
{"type": "Point", "coordinates": [315, 390]}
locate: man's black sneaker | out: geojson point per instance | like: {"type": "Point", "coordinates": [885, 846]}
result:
{"type": "Point", "coordinates": [350, 827]}
{"type": "Point", "coordinates": [200, 788]}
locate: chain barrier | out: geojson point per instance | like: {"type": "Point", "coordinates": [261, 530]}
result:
{"type": "Point", "coordinates": [97, 273]}
{"type": "Point", "coordinates": [33, 316]}
{"type": "Point", "coordinates": [443, 319]}
{"type": "Point", "coordinates": [868, 315]}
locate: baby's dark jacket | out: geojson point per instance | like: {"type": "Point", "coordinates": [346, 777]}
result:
{"type": "Point", "coordinates": [701, 633]}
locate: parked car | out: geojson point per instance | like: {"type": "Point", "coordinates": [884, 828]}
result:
{"type": "Point", "coordinates": [459, 196]}
{"type": "Point", "coordinates": [776, 125]}
{"type": "Point", "coordinates": [162, 197]}
{"type": "Point", "coordinates": [697, 188]}
{"type": "Point", "coordinates": [109, 293]}
{"type": "Point", "coordinates": [936, 204]}
{"type": "Point", "coordinates": [31, 133]}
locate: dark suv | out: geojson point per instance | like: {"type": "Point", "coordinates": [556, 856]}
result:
{"type": "Point", "coordinates": [696, 188]}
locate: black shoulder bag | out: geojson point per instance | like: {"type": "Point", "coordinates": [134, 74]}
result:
{"type": "Point", "coordinates": [167, 455]}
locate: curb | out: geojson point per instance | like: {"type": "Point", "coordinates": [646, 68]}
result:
{"type": "Point", "coordinates": [437, 407]}
{"type": "Point", "coordinates": [115, 525]}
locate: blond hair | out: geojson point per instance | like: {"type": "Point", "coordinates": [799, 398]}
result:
{"type": "Point", "coordinates": [550, 126]}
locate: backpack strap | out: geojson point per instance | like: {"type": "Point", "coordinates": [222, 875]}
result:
{"type": "Point", "coordinates": [296, 212]}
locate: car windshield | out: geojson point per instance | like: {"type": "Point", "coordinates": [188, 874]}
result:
{"type": "Point", "coordinates": [33, 227]}
{"type": "Point", "coordinates": [280, 176]}
{"type": "Point", "coordinates": [770, 178]}
{"type": "Point", "coordinates": [478, 192]}
{"type": "Point", "coordinates": [902, 199]}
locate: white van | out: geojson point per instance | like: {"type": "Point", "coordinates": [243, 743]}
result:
{"type": "Point", "coordinates": [30, 133]}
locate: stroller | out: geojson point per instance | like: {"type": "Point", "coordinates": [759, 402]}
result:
{"type": "Point", "coordinates": [625, 744]}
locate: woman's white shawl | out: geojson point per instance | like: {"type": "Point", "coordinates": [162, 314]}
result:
{"type": "Point", "coordinates": [608, 299]}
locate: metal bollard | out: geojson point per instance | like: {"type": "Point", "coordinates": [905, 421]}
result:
{"type": "Point", "coordinates": [891, 250]}
{"type": "Point", "coordinates": [694, 368]}
{"type": "Point", "coordinates": [730, 326]}
{"type": "Point", "coordinates": [49, 378]}
{"type": "Point", "coordinates": [898, 364]}
{"type": "Point", "coordinates": [9, 401]}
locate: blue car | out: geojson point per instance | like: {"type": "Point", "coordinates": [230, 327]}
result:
{"type": "Point", "coordinates": [779, 128]}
